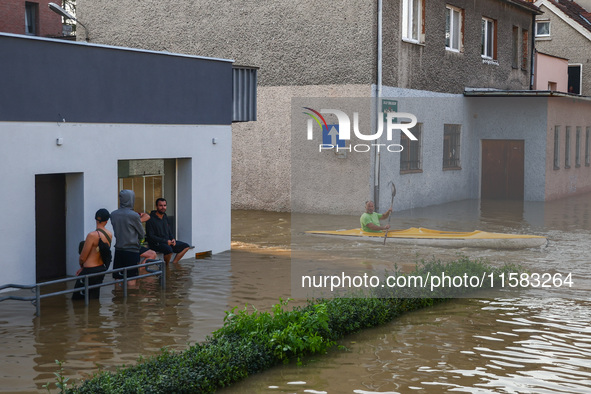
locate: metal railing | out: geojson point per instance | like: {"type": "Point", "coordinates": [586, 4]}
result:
{"type": "Point", "coordinates": [36, 288]}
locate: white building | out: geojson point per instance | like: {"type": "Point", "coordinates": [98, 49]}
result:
{"type": "Point", "coordinates": [77, 122]}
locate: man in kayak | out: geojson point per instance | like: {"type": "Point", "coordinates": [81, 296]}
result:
{"type": "Point", "coordinates": [370, 220]}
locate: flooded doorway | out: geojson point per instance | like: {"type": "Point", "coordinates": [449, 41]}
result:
{"type": "Point", "coordinates": [50, 226]}
{"type": "Point", "coordinates": [149, 180]}
{"type": "Point", "coordinates": [502, 170]}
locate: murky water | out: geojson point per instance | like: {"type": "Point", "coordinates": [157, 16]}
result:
{"type": "Point", "coordinates": [537, 342]}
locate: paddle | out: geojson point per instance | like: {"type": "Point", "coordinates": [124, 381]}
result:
{"type": "Point", "coordinates": [391, 204]}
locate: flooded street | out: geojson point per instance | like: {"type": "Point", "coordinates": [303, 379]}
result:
{"type": "Point", "coordinates": [536, 341]}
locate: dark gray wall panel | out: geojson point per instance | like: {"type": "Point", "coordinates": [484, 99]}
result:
{"type": "Point", "coordinates": [50, 80]}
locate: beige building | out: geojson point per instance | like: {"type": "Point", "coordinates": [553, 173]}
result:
{"type": "Point", "coordinates": [327, 49]}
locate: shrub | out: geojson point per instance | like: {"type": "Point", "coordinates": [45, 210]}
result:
{"type": "Point", "coordinates": [250, 342]}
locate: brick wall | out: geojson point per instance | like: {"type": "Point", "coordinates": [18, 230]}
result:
{"type": "Point", "coordinates": [12, 18]}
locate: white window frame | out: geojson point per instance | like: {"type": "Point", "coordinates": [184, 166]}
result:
{"type": "Point", "coordinates": [542, 22]}
{"type": "Point", "coordinates": [488, 46]}
{"type": "Point", "coordinates": [412, 16]}
{"type": "Point", "coordinates": [454, 31]}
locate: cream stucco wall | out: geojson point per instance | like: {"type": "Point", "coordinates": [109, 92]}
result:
{"type": "Point", "coordinates": [262, 155]}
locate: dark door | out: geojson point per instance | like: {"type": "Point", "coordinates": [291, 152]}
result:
{"type": "Point", "coordinates": [50, 226]}
{"type": "Point", "coordinates": [502, 169]}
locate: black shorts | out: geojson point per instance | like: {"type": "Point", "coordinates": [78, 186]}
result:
{"type": "Point", "coordinates": [125, 258]}
{"type": "Point", "coordinates": [95, 280]}
{"type": "Point", "coordinates": [167, 249]}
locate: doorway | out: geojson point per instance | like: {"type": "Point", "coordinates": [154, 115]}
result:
{"type": "Point", "coordinates": [50, 226]}
{"type": "Point", "coordinates": [502, 176]}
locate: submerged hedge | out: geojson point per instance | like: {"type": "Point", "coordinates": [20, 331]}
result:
{"type": "Point", "coordinates": [252, 342]}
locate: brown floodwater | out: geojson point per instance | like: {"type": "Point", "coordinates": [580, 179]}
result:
{"type": "Point", "coordinates": [538, 340]}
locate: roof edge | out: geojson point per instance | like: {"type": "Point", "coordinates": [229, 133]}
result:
{"type": "Point", "coordinates": [89, 44]}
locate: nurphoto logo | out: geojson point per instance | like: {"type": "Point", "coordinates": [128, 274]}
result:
{"type": "Point", "coordinates": [335, 136]}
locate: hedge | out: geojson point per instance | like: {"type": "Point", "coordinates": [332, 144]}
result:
{"type": "Point", "coordinates": [250, 342]}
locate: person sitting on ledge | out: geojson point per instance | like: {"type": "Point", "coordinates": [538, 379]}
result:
{"type": "Point", "coordinates": [159, 234]}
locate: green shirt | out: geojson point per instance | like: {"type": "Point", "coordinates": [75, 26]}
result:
{"type": "Point", "coordinates": [367, 218]}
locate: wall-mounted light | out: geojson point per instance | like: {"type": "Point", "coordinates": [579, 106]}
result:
{"type": "Point", "coordinates": [59, 141]}
{"type": "Point", "coordinates": [60, 11]}
{"type": "Point", "coordinates": [214, 141]}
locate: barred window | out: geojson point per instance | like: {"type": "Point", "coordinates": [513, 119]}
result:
{"type": "Point", "coordinates": [410, 157]}
{"type": "Point", "coordinates": [451, 145]}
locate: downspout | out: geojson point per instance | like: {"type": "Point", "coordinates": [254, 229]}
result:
{"type": "Point", "coordinates": [533, 51]}
{"type": "Point", "coordinates": [376, 170]}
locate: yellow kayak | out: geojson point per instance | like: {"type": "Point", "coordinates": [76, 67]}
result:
{"type": "Point", "coordinates": [427, 237]}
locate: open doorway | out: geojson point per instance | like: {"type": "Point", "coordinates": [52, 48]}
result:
{"type": "Point", "coordinates": [50, 226]}
{"type": "Point", "coordinates": [149, 180]}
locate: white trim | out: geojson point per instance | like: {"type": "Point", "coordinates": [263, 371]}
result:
{"type": "Point", "coordinates": [575, 25]}
{"type": "Point", "coordinates": [83, 43]}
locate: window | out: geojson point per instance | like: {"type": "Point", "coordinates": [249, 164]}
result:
{"type": "Point", "coordinates": [542, 29]}
{"type": "Point", "coordinates": [567, 147]}
{"type": "Point", "coordinates": [575, 76]}
{"type": "Point", "coordinates": [587, 153]}
{"type": "Point", "coordinates": [524, 49]}
{"type": "Point", "coordinates": [244, 94]}
{"type": "Point", "coordinates": [451, 146]}
{"type": "Point", "coordinates": [556, 147]}
{"type": "Point", "coordinates": [453, 28]}
{"type": "Point", "coordinates": [410, 157]}
{"type": "Point", "coordinates": [31, 11]}
{"type": "Point", "coordinates": [412, 20]}
{"type": "Point", "coordinates": [515, 48]}
{"type": "Point", "coordinates": [578, 147]}
{"type": "Point", "coordinates": [488, 38]}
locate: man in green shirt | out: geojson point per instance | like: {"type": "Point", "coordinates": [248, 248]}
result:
{"type": "Point", "coordinates": [370, 220]}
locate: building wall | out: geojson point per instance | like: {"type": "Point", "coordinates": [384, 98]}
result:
{"type": "Point", "coordinates": [567, 43]}
{"type": "Point", "coordinates": [551, 70]}
{"type": "Point", "coordinates": [89, 155]}
{"type": "Point", "coordinates": [563, 181]}
{"type": "Point", "coordinates": [513, 118]}
{"type": "Point", "coordinates": [305, 43]}
{"type": "Point", "coordinates": [12, 18]}
{"type": "Point", "coordinates": [433, 185]}
{"type": "Point", "coordinates": [262, 155]}
{"type": "Point", "coordinates": [307, 49]}
{"type": "Point", "coordinates": [429, 66]}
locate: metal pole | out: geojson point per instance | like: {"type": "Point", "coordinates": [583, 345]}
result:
{"type": "Point", "coordinates": [163, 274]}
{"type": "Point", "coordinates": [86, 290]}
{"type": "Point", "coordinates": [125, 283]}
{"type": "Point", "coordinates": [38, 300]}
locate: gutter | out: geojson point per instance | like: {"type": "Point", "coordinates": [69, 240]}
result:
{"type": "Point", "coordinates": [475, 92]}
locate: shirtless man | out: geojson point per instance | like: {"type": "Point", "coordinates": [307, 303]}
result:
{"type": "Point", "coordinates": [90, 258]}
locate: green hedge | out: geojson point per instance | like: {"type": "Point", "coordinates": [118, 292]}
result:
{"type": "Point", "coordinates": [250, 342]}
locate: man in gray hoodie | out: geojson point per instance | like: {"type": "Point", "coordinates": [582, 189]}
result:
{"type": "Point", "coordinates": [129, 232]}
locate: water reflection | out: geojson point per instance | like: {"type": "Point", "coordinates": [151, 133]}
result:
{"type": "Point", "coordinates": [527, 344]}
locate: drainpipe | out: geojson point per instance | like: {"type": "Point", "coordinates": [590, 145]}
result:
{"type": "Point", "coordinates": [533, 51]}
{"type": "Point", "coordinates": [376, 169]}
